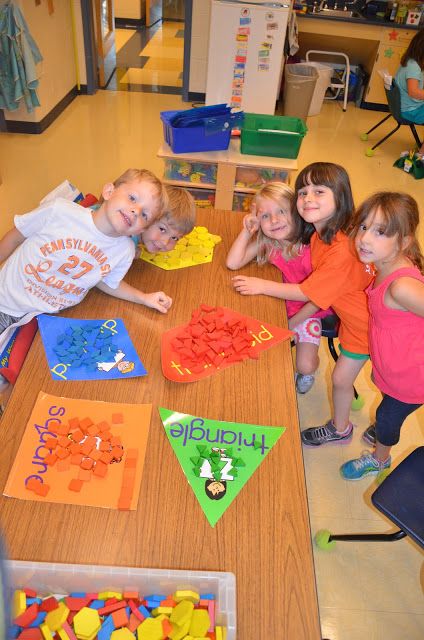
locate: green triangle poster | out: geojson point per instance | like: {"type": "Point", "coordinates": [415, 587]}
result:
{"type": "Point", "coordinates": [218, 458]}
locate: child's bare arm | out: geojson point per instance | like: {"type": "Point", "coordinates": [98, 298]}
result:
{"type": "Point", "coordinates": [408, 293]}
{"type": "Point", "coordinates": [243, 249]}
{"type": "Point", "coordinates": [254, 286]}
{"type": "Point", "coordinates": [157, 300]}
{"type": "Point", "coordinates": [10, 242]}
{"type": "Point", "coordinates": [303, 314]}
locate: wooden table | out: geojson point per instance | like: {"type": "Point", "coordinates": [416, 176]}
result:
{"type": "Point", "coordinates": [263, 537]}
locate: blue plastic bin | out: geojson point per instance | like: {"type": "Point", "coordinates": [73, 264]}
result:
{"type": "Point", "coordinates": [203, 129]}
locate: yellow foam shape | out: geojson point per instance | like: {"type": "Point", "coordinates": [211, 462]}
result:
{"type": "Point", "coordinates": [198, 258]}
{"type": "Point", "coordinates": [182, 611]}
{"type": "Point", "coordinates": [63, 635]}
{"type": "Point", "coordinates": [214, 238]}
{"type": "Point", "coordinates": [122, 634]}
{"type": "Point", "coordinates": [194, 242]}
{"type": "Point", "coordinates": [179, 632]}
{"type": "Point", "coordinates": [105, 595]}
{"type": "Point", "coordinates": [87, 623]}
{"type": "Point", "coordinates": [220, 633]}
{"type": "Point", "coordinates": [200, 622]}
{"type": "Point", "coordinates": [162, 610]}
{"type": "Point", "coordinates": [45, 631]}
{"type": "Point", "coordinates": [55, 619]}
{"type": "Point", "coordinates": [192, 596]}
{"type": "Point", "coordinates": [19, 603]}
{"type": "Point", "coordinates": [150, 629]}
{"type": "Point", "coordinates": [201, 229]}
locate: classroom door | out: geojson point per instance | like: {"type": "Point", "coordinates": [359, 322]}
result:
{"type": "Point", "coordinates": [153, 12]}
{"type": "Point", "coordinates": [105, 37]}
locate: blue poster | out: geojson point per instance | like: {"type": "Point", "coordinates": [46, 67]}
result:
{"type": "Point", "coordinates": [88, 349]}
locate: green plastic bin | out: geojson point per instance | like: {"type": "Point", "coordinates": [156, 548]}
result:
{"type": "Point", "coordinates": [276, 136]}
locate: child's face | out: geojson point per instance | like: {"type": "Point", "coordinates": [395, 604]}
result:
{"type": "Point", "coordinates": [275, 220]}
{"type": "Point", "coordinates": [160, 236]}
{"type": "Point", "coordinates": [316, 205]}
{"type": "Point", "coordinates": [373, 245]}
{"type": "Point", "coordinates": [127, 209]}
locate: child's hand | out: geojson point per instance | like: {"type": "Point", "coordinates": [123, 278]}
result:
{"type": "Point", "coordinates": [157, 300]}
{"type": "Point", "coordinates": [248, 286]}
{"type": "Point", "coordinates": [251, 224]}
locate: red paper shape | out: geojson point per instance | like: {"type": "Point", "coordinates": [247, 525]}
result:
{"type": "Point", "coordinates": [215, 338]}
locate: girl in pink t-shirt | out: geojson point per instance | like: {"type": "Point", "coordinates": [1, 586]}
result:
{"type": "Point", "coordinates": [384, 230]}
{"type": "Point", "coordinates": [271, 234]}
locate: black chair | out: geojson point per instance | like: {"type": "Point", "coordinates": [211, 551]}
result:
{"type": "Point", "coordinates": [393, 101]}
{"type": "Point", "coordinates": [400, 498]}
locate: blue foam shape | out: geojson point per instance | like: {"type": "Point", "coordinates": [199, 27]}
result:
{"type": "Point", "coordinates": [68, 331]}
{"type": "Point", "coordinates": [145, 612]}
{"type": "Point", "coordinates": [30, 601]}
{"type": "Point", "coordinates": [39, 619]}
{"type": "Point", "coordinates": [78, 594]}
{"type": "Point", "coordinates": [97, 604]}
{"type": "Point", "coordinates": [14, 631]}
{"type": "Point", "coordinates": [207, 596]}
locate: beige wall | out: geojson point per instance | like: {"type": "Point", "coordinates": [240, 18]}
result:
{"type": "Point", "coordinates": [201, 12]}
{"type": "Point", "coordinates": [133, 9]}
{"type": "Point", "coordinates": [54, 37]}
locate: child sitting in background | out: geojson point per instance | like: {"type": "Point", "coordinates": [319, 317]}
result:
{"type": "Point", "coordinates": [277, 230]}
{"type": "Point", "coordinates": [385, 234]}
{"type": "Point", "coordinates": [177, 221]}
{"type": "Point", "coordinates": [55, 254]}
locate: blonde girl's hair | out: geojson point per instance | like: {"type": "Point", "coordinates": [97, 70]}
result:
{"type": "Point", "coordinates": [180, 212]}
{"type": "Point", "coordinates": [401, 217]}
{"type": "Point", "coordinates": [334, 177]}
{"type": "Point", "coordinates": [283, 196]}
{"type": "Point", "coordinates": [144, 175]}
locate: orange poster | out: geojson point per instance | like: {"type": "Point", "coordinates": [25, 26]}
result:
{"type": "Point", "coordinates": [82, 452]}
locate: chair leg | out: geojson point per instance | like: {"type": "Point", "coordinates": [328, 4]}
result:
{"type": "Point", "coordinates": [335, 356]}
{"type": "Point", "coordinates": [369, 537]}
{"type": "Point", "coordinates": [385, 138]}
{"type": "Point", "coordinates": [381, 122]}
{"type": "Point", "coordinates": [415, 134]}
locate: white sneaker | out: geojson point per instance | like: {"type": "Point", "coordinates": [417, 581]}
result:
{"type": "Point", "coordinates": [304, 382]}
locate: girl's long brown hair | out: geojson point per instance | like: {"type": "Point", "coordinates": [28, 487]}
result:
{"type": "Point", "coordinates": [415, 50]}
{"type": "Point", "coordinates": [334, 177]}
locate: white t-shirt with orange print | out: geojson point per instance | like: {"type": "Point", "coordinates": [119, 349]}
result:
{"type": "Point", "coordinates": [63, 256]}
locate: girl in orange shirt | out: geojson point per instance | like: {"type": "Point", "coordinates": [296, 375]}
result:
{"type": "Point", "coordinates": [338, 280]}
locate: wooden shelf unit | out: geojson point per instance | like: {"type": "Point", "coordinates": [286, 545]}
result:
{"type": "Point", "coordinates": [227, 163]}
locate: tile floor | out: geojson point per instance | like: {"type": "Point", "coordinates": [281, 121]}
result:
{"type": "Point", "coordinates": [368, 590]}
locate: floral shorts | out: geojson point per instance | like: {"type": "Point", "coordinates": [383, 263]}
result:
{"type": "Point", "coordinates": [308, 331]}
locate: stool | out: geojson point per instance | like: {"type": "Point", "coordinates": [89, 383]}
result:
{"type": "Point", "coordinates": [338, 83]}
{"type": "Point", "coordinates": [397, 497]}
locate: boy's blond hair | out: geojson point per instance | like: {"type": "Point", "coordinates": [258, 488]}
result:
{"type": "Point", "coordinates": [180, 212]}
{"type": "Point", "coordinates": [144, 175]}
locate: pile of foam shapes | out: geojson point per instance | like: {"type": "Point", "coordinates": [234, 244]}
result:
{"type": "Point", "coordinates": [194, 248]}
{"type": "Point", "coordinates": [212, 337]}
{"type": "Point", "coordinates": [85, 347]}
{"type": "Point", "coordinates": [110, 615]}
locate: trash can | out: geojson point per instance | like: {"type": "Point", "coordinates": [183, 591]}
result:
{"type": "Point", "coordinates": [299, 86]}
{"type": "Point", "coordinates": [323, 82]}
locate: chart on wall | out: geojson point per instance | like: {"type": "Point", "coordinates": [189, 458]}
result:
{"type": "Point", "coordinates": [82, 452]}
{"type": "Point", "coordinates": [217, 458]}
